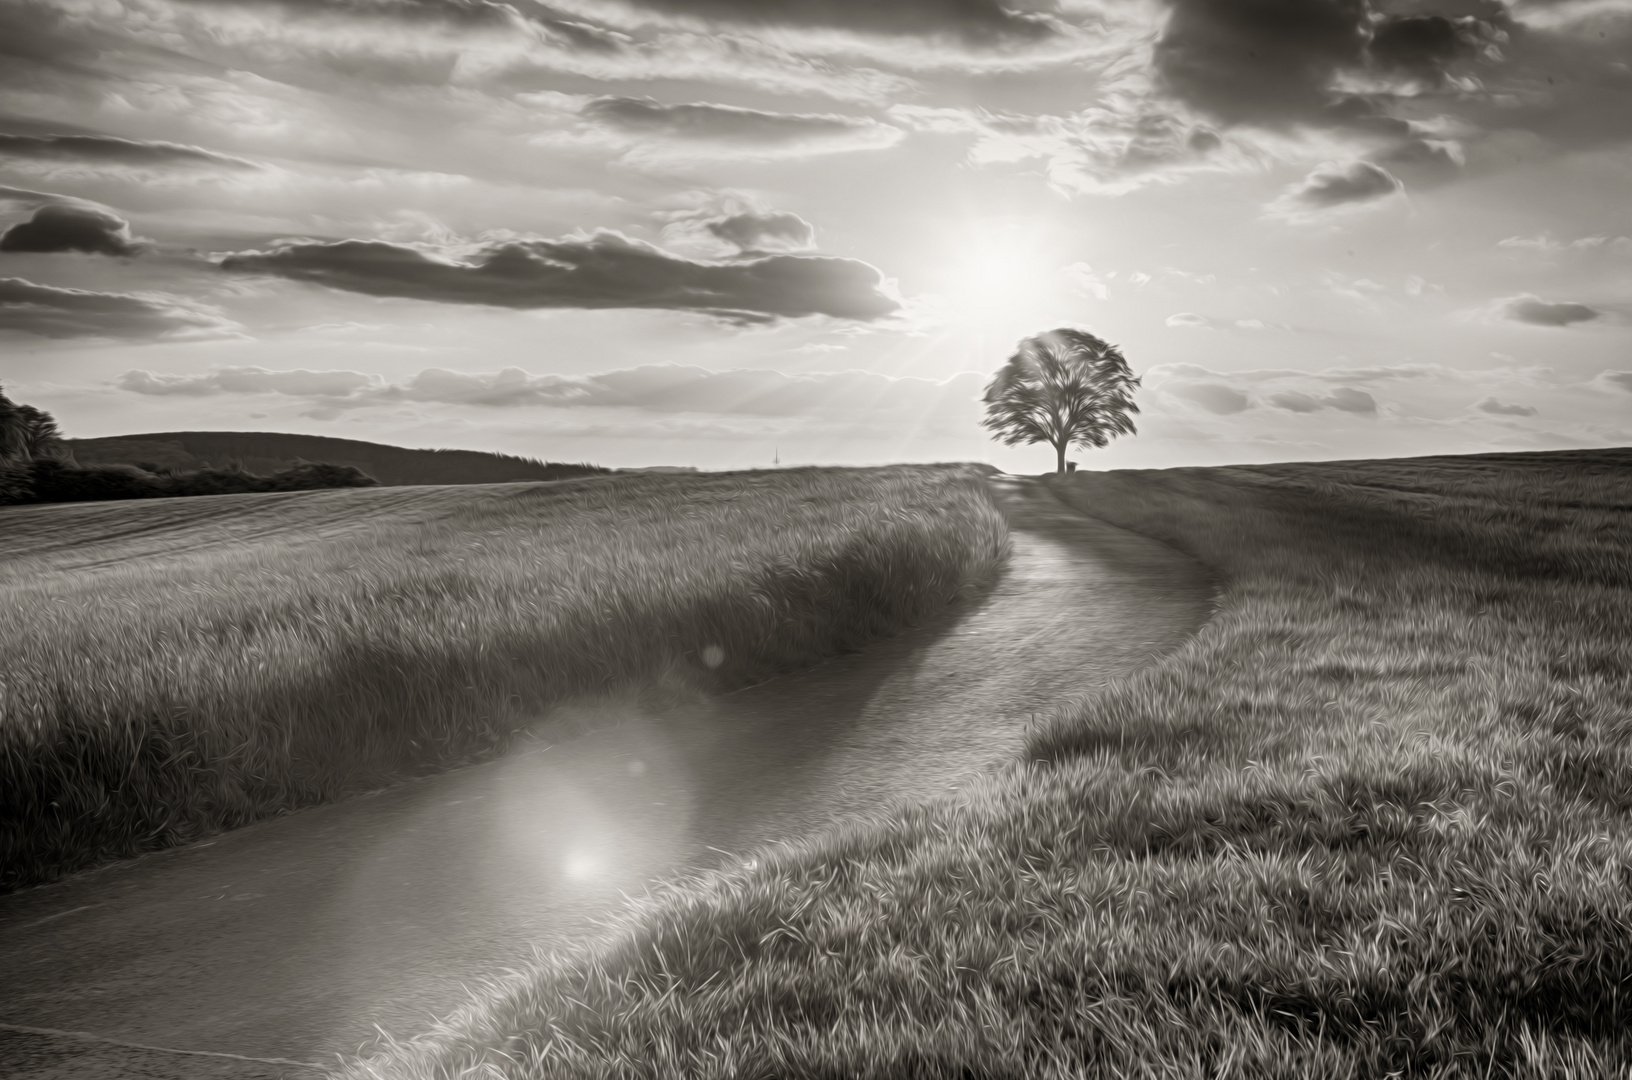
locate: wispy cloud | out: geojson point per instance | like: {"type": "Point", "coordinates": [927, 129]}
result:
{"type": "Point", "coordinates": [48, 311]}
{"type": "Point", "coordinates": [647, 130]}
{"type": "Point", "coordinates": [100, 153]}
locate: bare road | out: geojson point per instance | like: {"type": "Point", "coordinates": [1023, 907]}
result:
{"type": "Point", "coordinates": [267, 951]}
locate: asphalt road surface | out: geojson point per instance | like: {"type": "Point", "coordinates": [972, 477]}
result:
{"type": "Point", "coordinates": [267, 951]}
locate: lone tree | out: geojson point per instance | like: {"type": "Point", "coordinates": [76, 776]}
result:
{"type": "Point", "coordinates": [1062, 387]}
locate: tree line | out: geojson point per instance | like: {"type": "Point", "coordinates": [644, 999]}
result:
{"type": "Point", "coordinates": [36, 466]}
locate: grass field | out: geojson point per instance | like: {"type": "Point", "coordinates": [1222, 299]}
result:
{"type": "Point", "coordinates": [178, 666]}
{"type": "Point", "coordinates": [1370, 822]}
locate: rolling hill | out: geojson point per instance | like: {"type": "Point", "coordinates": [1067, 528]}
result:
{"type": "Point", "coordinates": [268, 452]}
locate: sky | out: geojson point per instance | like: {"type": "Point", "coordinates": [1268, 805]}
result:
{"type": "Point", "coordinates": [724, 233]}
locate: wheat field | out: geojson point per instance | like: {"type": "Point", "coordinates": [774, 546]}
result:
{"type": "Point", "coordinates": [179, 666]}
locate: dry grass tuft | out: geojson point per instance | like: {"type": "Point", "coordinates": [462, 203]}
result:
{"type": "Point", "coordinates": [175, 667]}
{"type": "Point", "coordinates": [1370, 822]}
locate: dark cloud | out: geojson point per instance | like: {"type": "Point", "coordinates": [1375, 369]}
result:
{"type": "Point", "coordinates": [46, 311]}
{"type": "Point", "coordinates": [1214, 397]}
{"type": "Point", "coordinates": [62, 226]}
{"type": "Point", "coordinates": [1620, 379]}
{"type": "Point", "coordinates": [1420, 44]}
{"type": "Point", "coordinates": [725, 123]}
{"type": "Point", "coordinates": [775, 230]}
{"type": "Point", "coordinates": [606, 270]}
{"type": "Point", "coordinates": [1539, 312]}
{"type": "Point", "coordinates": [1259, 61]}
{"type": "Point", "coordinates": [1496, 408]}
{"type": "Point", "coordinates": [1343, 399]}
{"type": "Point", "coordinates": [1336, 185]}
{"type": "Point", "coordinates": [108, 150]}
{"type": "Point", "coordinates": [1280, 62]}
{"type": "Point", "coordinates": [981, 22]}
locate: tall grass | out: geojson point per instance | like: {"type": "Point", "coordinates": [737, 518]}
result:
{"type": "Point", "coordinates": [175, 667]}
{"type": "Point", "coordinates": [1370, 822]}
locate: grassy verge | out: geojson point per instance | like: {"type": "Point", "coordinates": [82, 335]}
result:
{"type": "Point", "coordinates": [175, 667]}
{"type": "Point", "coordinates": [1370, 822]}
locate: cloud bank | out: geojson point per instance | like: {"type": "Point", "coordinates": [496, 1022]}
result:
{"type": "Point", "coordinates": [604, 270]}
{"type": "Point", "coordinates": [833, 397]}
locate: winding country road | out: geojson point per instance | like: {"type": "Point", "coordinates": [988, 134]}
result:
{"type": "Point", "coordinates": [267, 951]}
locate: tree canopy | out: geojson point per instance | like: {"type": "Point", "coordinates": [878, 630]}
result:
{"type": "Point", "coordinates": [1064, 387]}
{"type": "Point", "coordinates": [25, 432]}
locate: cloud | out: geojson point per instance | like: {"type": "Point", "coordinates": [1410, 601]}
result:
{"type": "Point", "coordinates": [1620, 380]}
{"type": "Point", "coordinates": [1343, 399]}
{"type": "Point", "coordinates": [1424, 158]}
{"type": "Point", "coordinates": [1292, 401]}
{"type": "Point", "coordinates": [844, 396]}
{"type": "Point", "coordinates": [25, 198]}
{"type": "Point", "coordinates": [736, 226]}
{"type": "Point", "coordinates": [47, 311]}
{"type": "Point", "coordinates": [1334, 184]}
{"type": "Point", "coordinates": [1128, 140]}
{"type": "Point", "coordinates": [1214, 397]}
{"type": "Point", "coordinates": [1424, 45]}
{"type": "Point", "coordinates": [769, 231]}
{"type": "Point", "coordinates": [247, 380]}
{"type": "Point", "coordinates": [1496, 408]}
{"type": "Point", "coordinates": [1538, 312]}
{"type": "Point", "coordinates": [978, 22]}
{"type": "Point", "coordinates": [732, 131]}
{"type": "Point", "coordinates": [604, 270]}
{"type": "Point", "coordinates": [1213, 390]}
{"type": "Point", "coordinates": [1259, 61]}
{"type": "Point", "coordinates": [1189, 320]}
{"type": "Point", "coordinates": [105, 151]}
{"type": "Point", "coordinates": [1381, 373]}
{"type": "Point", "coordinates": [1352, 66]}
{"type": "Point", "coordinates": [72, 227]}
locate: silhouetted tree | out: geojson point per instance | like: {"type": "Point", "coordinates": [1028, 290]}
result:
{"type": "Point", "coordinates": [26, 432]}
{"type": "Point", "coordinates": [1062, 387]}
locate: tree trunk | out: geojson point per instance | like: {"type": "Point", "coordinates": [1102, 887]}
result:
{"type": "Point", "coordinates": [1059, 448]}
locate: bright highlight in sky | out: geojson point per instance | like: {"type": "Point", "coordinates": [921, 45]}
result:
{"type": "Point", "coordinates": [1001, 265]}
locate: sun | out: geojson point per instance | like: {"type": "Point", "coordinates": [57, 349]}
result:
{"type": "Point", "coordinates": [996, 271]}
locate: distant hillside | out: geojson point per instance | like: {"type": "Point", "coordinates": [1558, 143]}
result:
{"type": "Point", "coordinates": [268, 452]}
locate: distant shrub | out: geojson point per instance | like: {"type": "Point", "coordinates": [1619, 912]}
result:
{"type": "Point", "coordinates": [53, 480]}
{"type": "Point", "coordinates": [309, 476]}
